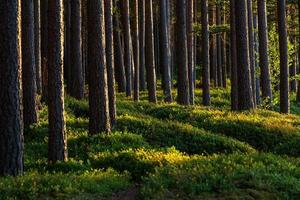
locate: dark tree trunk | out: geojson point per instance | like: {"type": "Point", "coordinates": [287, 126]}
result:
{"type": "Point", "coordinates": [283, 47]}
{"type": "Point", "coordinates": [57, 149]}
{"type": "Point", "coordinates": [205, 53]}
{"type": "Point", "coordinates": [263, 53]}
{"type": "Point", "coordinates": [182, 53]}
{"type": "Point", "coordinates": [110, 59]}
{"type": "Point", "coordinates": [298, 89]}
{"type": "Point", "coordinates": [127, 52]}
{"type": "Point", "coordinates": [257, 78]}
{"type": "Point", "coordinates": [190, 46]}
{"type": "Point", "coordinates": [37, 45]}
{"type": "Point", "coordinates": [224, 53]}
{"type": "Point", "coordinates": [142, 43]}
{"type": "Point", "coordinates": [98, 94]}
{"type": "Point", "coordinates": [136, 50]}
{"type": "Point", "coordinates": [44, 49]}
{"type": "Point", "coordinates": [28, 64]}
{"type": "Point", "coordinates": [219, 48]}
{"type": "Point", "coordinates": [119, 58]}
{"type": "Point", "coordinates": [251, 49]}
{"type": "Point", "coordinates": [234, 81]}
{"type": "Point", "coordinates": [11, 120]}
{"type": "Point", "coordinates": [149, 52]}
{"type": "Point", "coordinates": [165, 54]}
{"type": "Point", "coordinates": [76, 70]}
{"type": "Point", "coordinates": [67, 45]}
{"type": "Point", "coordinates": [244, 79]}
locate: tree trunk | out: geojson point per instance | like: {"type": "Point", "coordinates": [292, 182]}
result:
{"type": "Point", "coordinates": [76, 71]}
{"type": "Point", "coordinates": [110, 59]}
{"type": "Point", "coordinates": [283, 48]}
{"type": "Point", "coordinates": [28, 64]}
{"type": "Point", "coordinates": [251, 49]}
{"type": "Point", "coordinates": [205, 53]}
{"type": "Point", "coordinates": [136, 50]}
{"type": "Point", "coordinates": [256, 48]}
{"type": "Point", "coordinates": [149, 52]}
{"type": "Point", "coordinates": [57, 149]}
{"type": "Point", "coordinates": [127, 52]}
{"type": "Point", "coordinates": [98, 94]}
{"type": "Point", "coordinates": [165, 54]}
{"type": "Point", "coordinates": [298, 89]}
{"type": "Point", "coordinates": [234, 81]}
{"type": "Point", "coordinates": [263, 53]}
{"type": "Point", "coordinates": [244, 78]}
{"type": "Point", "coordinates": [37, 43]}
{"type": "Point", "coordinates": [11, 120]}
{"type": "Point", "coordinates": [182, 53]}
{"type": "Point", "coordinates": [191, 46]}
{"type": "Point", "coordinates": [119, 57]}
{"type": "Point", "coordinates": [44, 49]}
{"type": "Point", "coordinates": [142, 43]}
{"type": "Point", "coordinates": [219, 53]}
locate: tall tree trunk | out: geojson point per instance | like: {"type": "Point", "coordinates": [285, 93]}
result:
{"type": "Point", "coordinates": [191, 46]}
{"type": "Point", "coordinates": [110, 59]}
{"type": "Point", "coordinates": [244, 78]}
{"type": "Point", "coordinates": [119, 57]}
{"type": "Point", "coordinates": [127, 52]}
{"type": "Point", "coordinates": [149, 52]}
{"type": "Point", "coordinates": [67, 45]}
{"type": "Point", "coordinates": [142, 43]}
{"type": "Point", "coordinates": [11, 120]}
{"type": "Point", "coordinates": [256, 48]}
{"type": "Point", "coordinates": [57, 149]}
{"type": "Point", "coordinates": [263, 53]}
{"type": "Point", "coordinates": [182, 53]}
{"type": "Point", "coordinates": [251, 48]}
{"type": "Point", "coordinates": [224, 52]}
{"type": "Point", "coordinates": [44, 49]}
{"type": "Point", "coordinates": [283, 47]}
{"type": "Point", "coordinates": [165, 53]}
{"type": "Point", "coordinates": [233, 48]}
{"type": "Point", "coordinates": [28, 64]}
{"type": "Point", "coordinates": [205, 53]}
{"type": "Point", "coordinates": [136, 50]}
{"type": "Point", "coordinates": [37, 45]}
{"type": "Point", "coordinates": [76, 79]}
{"type": "Point", "coordinates": [298, 89]}
{"type": "Point", "coordinates": [98, 94]}
{"type": "Point", "coordinates": [219, 48]}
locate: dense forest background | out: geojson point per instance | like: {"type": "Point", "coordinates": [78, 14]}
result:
{"type": "Point", "coordinates": [149, 99]}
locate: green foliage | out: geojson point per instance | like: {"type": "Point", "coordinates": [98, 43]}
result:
{"type": "Point", "coordinates": [235, 176]}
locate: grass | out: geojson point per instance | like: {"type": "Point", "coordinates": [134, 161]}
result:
{"type": "Point", "coordinates": [169, 151]}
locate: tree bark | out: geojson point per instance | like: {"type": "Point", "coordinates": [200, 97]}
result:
{"type": "Point", "coordinates": [251, 49]}
{"type": "Point", "coordinates": [136, 50]}
{"type": "Point", "coordinates": [76, 70]}
{"type": "Point", "coordinates": [165, 54]}
{"type": "Point", "coordinates": [182, 53]}
{"type": "Point", "coordinates": [263, 53]}
{"type": "Point", "coordinates": [191, 46]}
{"type": "Point", "coordinates": [110, 60]}
{"type": "Point", "coordinates": [127, 52]}
{"type": "Point", "coordinates": [283, 48]}
{"type": "Point", "coordinates": [11, 120]}
{"type": "Point", "coordinates": [233, 48]}
{"type": "Point", "coordinates": [57, 145]}
{"type": "Point", "coordinates": [142, 44]}
{"type": "Point", "coordinates": [44, 49]}
{"type": "Point", "coordinates": [205, 53]}
{"type": "Point", "coordinates": [219, 48]}
{"type": "Point", "coordinates": [98, 94]}
{"type": "Point", "coordinates": [242, 41]}
{"type": "Point", "coordinates": [149, 52]}
{"type": "Point", "coordinates": [37, 43]}
{"type": "Point", "coordinates": [28, 64]}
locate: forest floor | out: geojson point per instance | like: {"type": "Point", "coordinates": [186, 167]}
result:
{"type": "Point", "coordinates": [166, 151]}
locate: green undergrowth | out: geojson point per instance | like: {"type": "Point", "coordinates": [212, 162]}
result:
{"type": "Point", "coordinates": [169, 151]}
